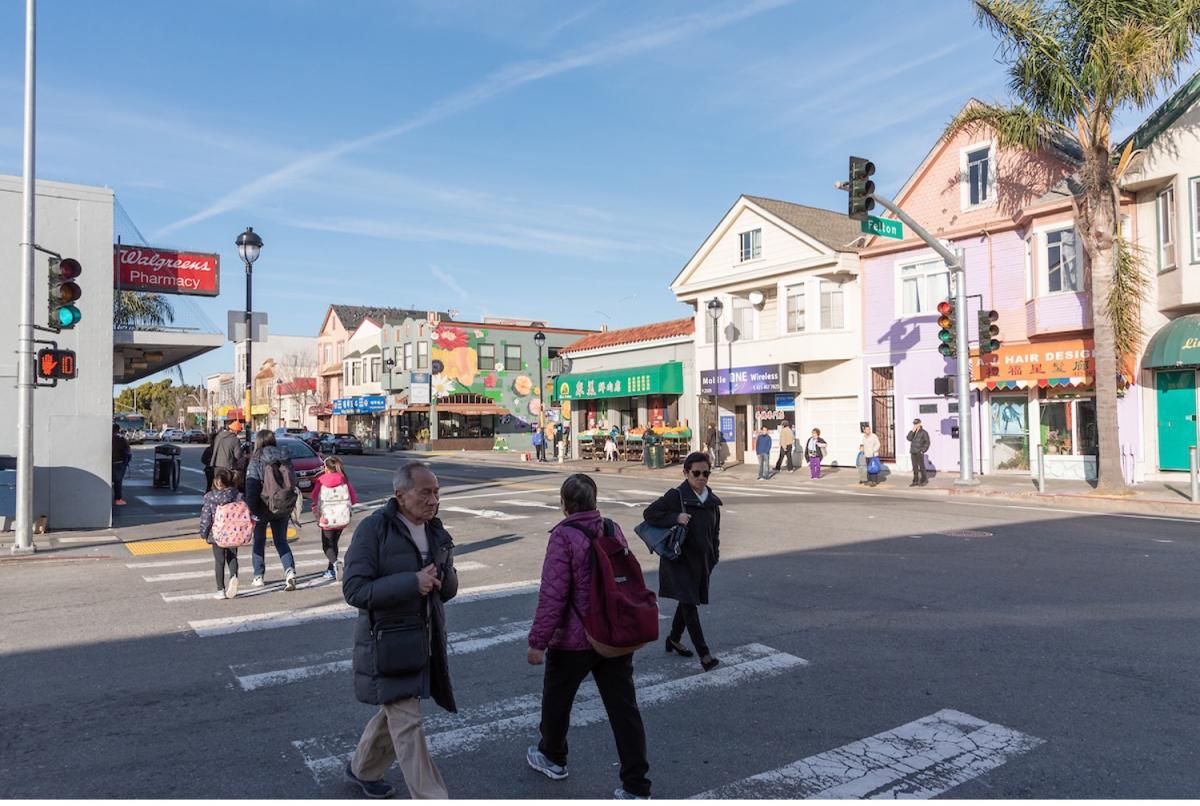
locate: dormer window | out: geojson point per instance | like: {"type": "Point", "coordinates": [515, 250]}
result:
{"type": "Point", "coordinates": [751, 245]}
{"type": "Point", "coordinates": [978, 175]}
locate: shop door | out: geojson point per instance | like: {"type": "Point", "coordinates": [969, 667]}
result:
{"type": "Point", "coordinates": [883, 410]}
{"type": "Point", "coordinates": [739, 448]}
{"type": "Point", "coordinates": [1176, 417]}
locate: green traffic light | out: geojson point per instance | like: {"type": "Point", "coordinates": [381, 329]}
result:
{"type": "Point", "coordinates": [945, 349]}
{"type": "Point", "coordinates": [68, 316]}
{"type": "Point", "coordinates": [945, 336]}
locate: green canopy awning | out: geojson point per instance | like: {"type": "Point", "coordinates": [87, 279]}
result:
{"type": "Point", "coordinates": [1176, 344]}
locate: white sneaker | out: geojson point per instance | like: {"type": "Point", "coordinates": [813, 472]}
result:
{"type": "Point", "coordinates": [231, 588]}
{"type": "Point", "coordinates": [219, 595]}
{"type": "Point", "coordinates": [257, 583]}
{"type": "Point", "coordinates": [289, 582]}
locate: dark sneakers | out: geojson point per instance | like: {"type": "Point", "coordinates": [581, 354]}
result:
{"type": "Point", "coordinates": [372, 789]}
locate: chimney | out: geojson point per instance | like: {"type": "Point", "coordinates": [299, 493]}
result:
{"type": "Point", "coordinates": [603, 328]}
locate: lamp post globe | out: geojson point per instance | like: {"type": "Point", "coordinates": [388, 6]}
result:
{"type": "Point", "coordinates": [249, 246]}
{"type": "Point", "coordinates": [540, 340]}
{"type": "Point", "coordinates": [715, 308]}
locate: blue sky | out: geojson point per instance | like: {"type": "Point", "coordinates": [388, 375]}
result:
{"type": "Point", "coordinates": [558, 161]}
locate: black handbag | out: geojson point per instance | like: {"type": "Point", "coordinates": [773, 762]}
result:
{"type": "Point", "coordinates": [667, 542]}
{"type": "Point", "coordinates": [402, 644]}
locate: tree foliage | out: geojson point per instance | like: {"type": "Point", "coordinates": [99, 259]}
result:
{"type": "Point", "coordinates": [160, 401]}
{"type": "Point", "coordinates": [135, 310]}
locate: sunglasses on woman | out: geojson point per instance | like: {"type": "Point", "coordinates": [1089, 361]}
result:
{"type": "Point", "coordinates": [699, 473]}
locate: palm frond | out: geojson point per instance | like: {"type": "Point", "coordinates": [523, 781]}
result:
{"type": "Point", "coordinates": [1126, 294]}
{"type": "Point", "coordinates": [1041, 69]}
{"type": "Point", "coordinates": [1013, 126]}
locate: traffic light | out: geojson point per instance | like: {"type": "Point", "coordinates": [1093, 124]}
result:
{"type": "Point", "coordinates": [988, 332]}
{"type": "Point", "coordinates": [861, 188]}
{"type": "Point", "coordinates": [56, 364]}
{"type": "Point", "coordinates": [64, 293]}
{"type": "Point", "coordinates": [947, 322]}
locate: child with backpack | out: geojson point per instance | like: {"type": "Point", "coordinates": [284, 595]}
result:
{"type": "Point", "coordinates": [225, 523]}
{"type": "Point", "coordinates": [588, 568]}
{"type": "Point", "coordinates": [332, 499]}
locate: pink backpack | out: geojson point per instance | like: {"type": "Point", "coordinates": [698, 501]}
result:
{"type": "Point", "coordinates": [232, 525]}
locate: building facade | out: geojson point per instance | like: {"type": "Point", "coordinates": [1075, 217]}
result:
{"type": "Point", "coordinates": [786, 344]}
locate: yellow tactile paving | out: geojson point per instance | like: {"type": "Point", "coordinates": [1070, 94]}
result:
{"type": "Point", "coordinates": [177, 544]}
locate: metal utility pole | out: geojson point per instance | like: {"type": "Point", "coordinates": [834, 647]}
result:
{"type": "Point", "coordinates": [25, 349]}
{"type": "Point", "coordinates": [954, 263]}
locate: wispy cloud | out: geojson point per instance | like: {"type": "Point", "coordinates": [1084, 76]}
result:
{"type": "Point", "coordinates": [449, 282]}
{"type": "Point", "coordinates": [661, 34]}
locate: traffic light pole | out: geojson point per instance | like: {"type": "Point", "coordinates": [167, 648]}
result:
{"type": "Point", "coordinates": [966, 461]}
{"type": "Point", "coordinates": [26, 382]}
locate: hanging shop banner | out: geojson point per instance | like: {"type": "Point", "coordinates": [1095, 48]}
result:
{"type": "Point", "coordinates": [660, 379]}
{"type": "Point", "coordinates": [418, 388]}
{"type": "Point", "coordinates": [747, 380]}
{"type": "Point", "coordinates": [166, 271]}
{"type": "Point", "coordinates": [363, 404]}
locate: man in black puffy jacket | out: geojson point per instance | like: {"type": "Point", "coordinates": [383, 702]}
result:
{"type": "Point", "coordinates": [399, 571]}
{"type": "Point", "coordinates": [918, 445]}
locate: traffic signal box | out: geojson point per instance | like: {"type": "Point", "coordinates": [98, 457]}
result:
{"type": "Point", "coordinates": [56, 364]}
{"type": "Point", "coordinates": [861, 188]}
{"type": "Point", "coordinates": [989, 333]}
{"type": "Point", "coordinates": [948, 328]}
{"type": "Point", "coordinates": [64, 293]}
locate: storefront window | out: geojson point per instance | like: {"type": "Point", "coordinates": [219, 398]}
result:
{"type": "Point", "coordinates": [1010, 433]}
{"type": "Point", "coordinates": [1069, 426]}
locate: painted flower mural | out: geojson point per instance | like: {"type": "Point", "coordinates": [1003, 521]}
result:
{"type": "Point", "coordinates": [443, 385]}
{"type": "Point", "coordinates": [523, 385]}
{"type": "Point", "coordinates": [450, 338]}
{"type": "Point", "coordinates": [490, 380]}
{"type": "Point", "coordinates": [535, 407]}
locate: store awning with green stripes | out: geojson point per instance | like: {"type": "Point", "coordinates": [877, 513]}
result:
{"type": "Point", "coordinates": [1176, 344]}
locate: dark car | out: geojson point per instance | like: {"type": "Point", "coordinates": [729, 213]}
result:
{"type": "Point", "coordinates": [195, 435]}
{"type": "Point", "coordinates": [310, 438]}
{"type": "Point", "coordinates": [341, 443]}
{"type": "Point", "coordinates": [305, 461]}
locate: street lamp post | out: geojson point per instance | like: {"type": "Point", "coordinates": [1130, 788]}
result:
{"type": "Point", "coordinates": [540, 340]}
{"type": "Point", "coordinates": [249, 245]}
{"type": "Point", "coordinates": [715, 307]}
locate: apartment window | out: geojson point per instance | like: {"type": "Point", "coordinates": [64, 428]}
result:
{"type": "Point", "coordinates": [1166, 229]}
{"type": "Point", "coordinates": [346, 374]}
{"type": "Point", "coordinates": [977, 175]}
{"type": "Point", "coordinates": [923, 286]}
{"type": "Point", "coordinates": [1194, 192]}
{"type": "Point", "coordinates": [375, 367]}
{"type": "Point", "coordinates": [833, 309]}
{"type": "Point", "coordinates": [408, 356]}
{"type": "Point", "coordinates": [742, 319]}
{"type": "Point", "coordinates": [751, 245]}
{"type": "Point", "coordinates": [422, 355]}
{"type": "Point", "coordinates": [512, 357]}
{"type": "Point", "coordinates": [795, 309]}
{"type": "Point", "coordinates": [487, 356]}
{"type": "Point", "coordinates": [1062, 262]}
{"type": "Point", "coordinates": [710, 328]}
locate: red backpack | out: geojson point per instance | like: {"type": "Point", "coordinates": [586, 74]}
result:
{"type": "Point", "coordinates": [622, 612]}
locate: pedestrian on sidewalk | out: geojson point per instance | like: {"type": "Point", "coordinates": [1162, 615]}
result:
{"type": "Point", "coordinates": [122, 455]}
{"type": "Point", "coordinates": [558, 639]}
{"type": "Point", "coordinates": [762, 447]}
{"type": "Point", "coordinates": [686, 579]}
{"type": "Point", "coordinates": [539, 444]}
{"type": "Point", "coordinates": [227, 447]}
{"type": "Point", "coordinates": [814, 452]}
{"type": "Point", "coordinates": [206, 463]}
{"type": "Point", "coordinates": [871, 447]}
{"type": "Point", "coordinates": [610, 449]}
{"type": "Point", "coordinates": [918, 446]}
{"type": "Point", "coordinates": [271, 494]}
{"type": "Point", "coordinates": [860, 461]}
{"type": "Point", "coordinates": [787, 441]}
{"type": "Point", "coordinates": [224, 491]}
{"type": "Point", "coordinates": [399, 572]}
{"type": "Point", "coordinates": [332, 497]}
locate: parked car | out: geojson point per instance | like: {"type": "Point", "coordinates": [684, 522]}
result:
{"type": "Point", "coordinates": [341, 443]}
{"type": "Point", "coordinates": [288, 432]}
{"type": "Point", "coordinates": [195, 435]}
{"type": "Point", "coordinates": [310, 438]}
{"type": "Point", "coordinates": [171, 435]}
{"type": "Point", "coordinates": [305, 461]}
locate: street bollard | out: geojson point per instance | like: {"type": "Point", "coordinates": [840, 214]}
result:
{"type": "Point", "coordinates": [1041, 469]}
{"type": "Point", "coordinates": [1195, 471]}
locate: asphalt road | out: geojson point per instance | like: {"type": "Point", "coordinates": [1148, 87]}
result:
{"type": "Point", "coordinates": [874, 642]}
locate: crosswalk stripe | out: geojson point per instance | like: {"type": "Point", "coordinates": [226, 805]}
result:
{"type": "Point", "coordinates": [628, 504]}
{"type": "Point", "coordinates": [921, 759]}
{"type": "Point", "coordinates": [642, 493]}
{"type": "Point", "coordinates": [491, 514]}
{"type": "Point", "coordinates": [246, 591]}
{"type": "Point", "coordinates": [178, 575]}
{"type": "Point", "coordinates": [254, 622]}
{"type": "Point", "coordinates": [536, 504]}
{"type": "Point", "coordinates": [753, 492]}
{"type": "Point", "coordinates": [449, 734]}
{"type": "Point", "coordinates": [202, 560]}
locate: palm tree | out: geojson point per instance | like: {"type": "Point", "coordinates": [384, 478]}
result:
{"type": "Point", "coordinates": [1072, 65]}
{"type": "Point", "coordinates": [134, 309]}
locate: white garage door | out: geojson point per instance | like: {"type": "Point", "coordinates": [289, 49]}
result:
{"type": "Point", "coordinates": [838, 419]}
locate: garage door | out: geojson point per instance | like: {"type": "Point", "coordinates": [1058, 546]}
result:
{"type": "Point", "coordinates": [838, 419]}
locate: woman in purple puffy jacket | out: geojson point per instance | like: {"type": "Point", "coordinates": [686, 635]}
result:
{"type": "Point", "coordinates": [557, 638]}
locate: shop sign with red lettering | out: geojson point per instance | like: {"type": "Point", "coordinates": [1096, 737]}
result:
{"type": "Point", "coordinates": [166, 271]}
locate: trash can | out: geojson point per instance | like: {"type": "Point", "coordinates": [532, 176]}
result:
{"type": "Point", "coordinates": [654, 457]}
{"type": "Point", "coordinates": [166, 457]}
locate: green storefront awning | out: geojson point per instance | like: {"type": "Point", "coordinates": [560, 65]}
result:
{"type": "Point", "coordinates": [659, 379]}
{"type": "Point", "coordinates": [1176, 344]}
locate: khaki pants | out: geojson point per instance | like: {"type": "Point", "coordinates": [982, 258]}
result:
{"type": "Point", "coordinates": [395, 734]}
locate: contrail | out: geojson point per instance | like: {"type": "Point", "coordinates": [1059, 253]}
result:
{"type": "Point", "coordinates": [501, 81]}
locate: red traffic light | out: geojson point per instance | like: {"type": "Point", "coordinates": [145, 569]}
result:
{"type": "Point", "coordinates": [945, 308]}
{"type": "Point", "coordinates": [69, 268]}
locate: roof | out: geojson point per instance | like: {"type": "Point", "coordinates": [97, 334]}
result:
{"type": "Point", "coordinates": [352, 316]}
{"type": "Point", "coordinates": [1167, 113]}
{"type": "Point", "coordinates": [836, 230]}
{"type": "Point", "coordinates": [1066, 188]}
{"type": "Point", "coordinates": [633, 335]}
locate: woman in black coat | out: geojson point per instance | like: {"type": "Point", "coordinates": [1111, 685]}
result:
{"type": "Point", "coordinates": [686, 579]}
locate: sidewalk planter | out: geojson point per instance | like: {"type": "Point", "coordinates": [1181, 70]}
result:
{"type": "Point", "coordinates": [1078, 468]}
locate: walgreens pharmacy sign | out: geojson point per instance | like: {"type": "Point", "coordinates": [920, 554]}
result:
{"type": "Point", "coordinates": [166, 271]}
